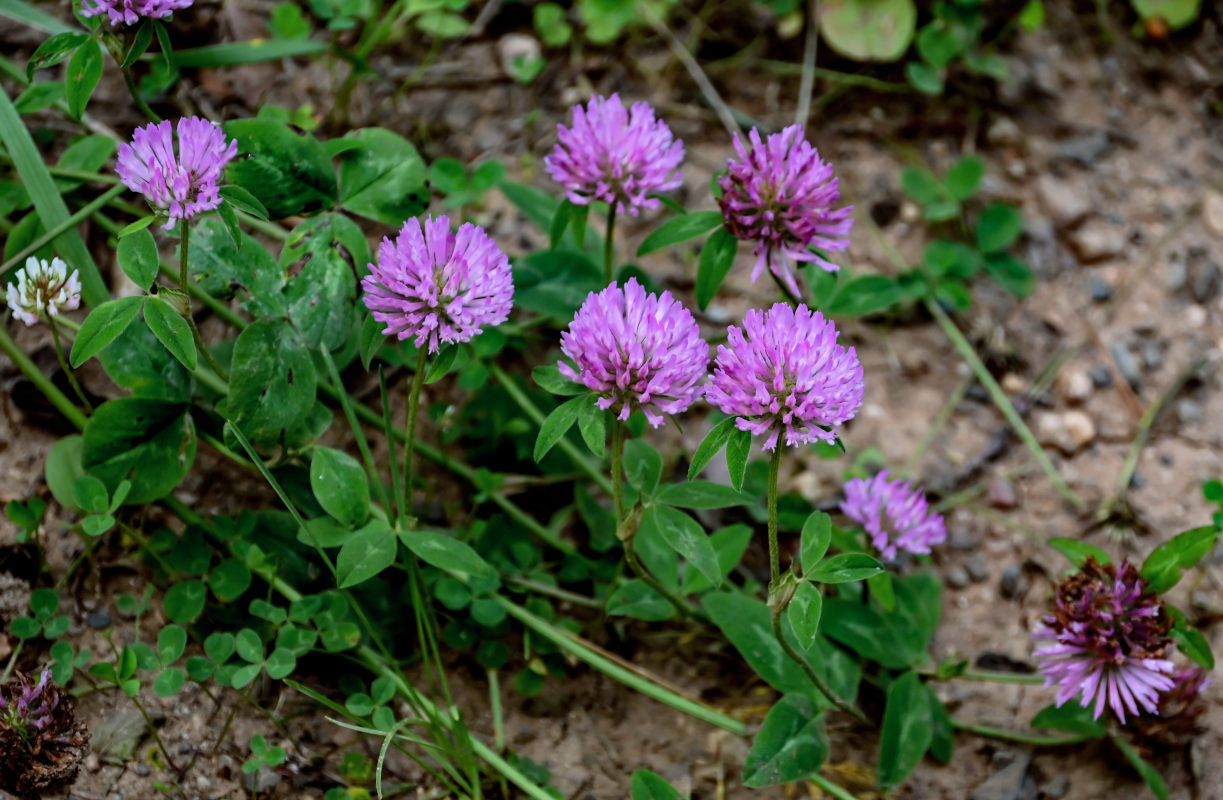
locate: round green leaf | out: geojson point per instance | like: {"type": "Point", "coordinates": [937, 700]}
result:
{"type": "Point", "coordinates": [184, 602]}
{"type": "Point", "coordinates": [339, 485]}
{"type": "Point", "coordinates": [169, 682]}
{"type": "Point", "coordinates": [868, 30]}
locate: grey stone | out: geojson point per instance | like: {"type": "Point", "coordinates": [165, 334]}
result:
{"type": "Point", "coordinates": [1003, 132]}
{"type": "Point", "coordinates": [1099, 289]}
{"type": "Point", "coordinates": [1204, 281]}
{"type": "Point", "coordinates": [978, 568]}
{"type": "Point", "coordinates": [1056, 788]}
{"type": "Point", "coordinates": [1101, 376]}
{"type": "Point", "coordinates": [1096, 241]}
{"type": "Point", "coordinates": [1188, 410]}
{"type": "Point", "coordinates": [957, 577]}
{"type": "Point", "coordinates": [1126, 363]}
{"type": "Point", "coordinates": [961, 538]}
{"type": "Point", "coordinates": [98, 619]}
{"type": "Point", "coordinates": [1068, 202]}
{"type": "Point", "coordinates": [1177, 274]}
{"type": "Point", "coordinates": [1007, 783]}
{"type": "Point", "coordinates": [1086, 148]}
{"type": "Point", "coordinates": [1152, 354]}
{"type": "Point", "coordinates": [1009, 583]}
{"type": "Point", "coordinates": [142, 769]}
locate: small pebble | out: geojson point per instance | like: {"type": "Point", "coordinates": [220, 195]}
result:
{"type": "Point", "coordinates": [1009, 583]}
{"type": "Point", "coordinates": [1097, 241]}
{"type": "Point", "coordinates": [1012, 383]}
{"type": "Point", "coordinates": [1056, 788]}
{"type": "Point", "coordinates": [978, 568]}
{"type": "Point", "coordinates": [1138, 480]}
{"type": "Point", "coordinates": [1004, 132]}
{"type": "Point", "coordinates": [957, 577]}
{"type": "Point", "coordinates": [92, 763]}
{"type": "Point", "coordinates": [1188, 410]}
{"type": "Point", "coordinates": [1086, 148]}
{"type": "Point", "coordinates": [1001, 494]}
{"type": "Point", "coordinates": [1165, 459]}
{"type": "Point", "coordinates": [1152, 354]}
{"type": "Point", "coordinates": [1212, 213]}
{"type": "Point", "coordinates": [1126, 363]}
{"type": "Point", "coordinates": [1099, 289]}
{"type": "Point", "coordinates": [1076, 384]}
{"type": "Point", "coordinates": [1101, 376]}
{"type": "Point", "coordinates": [961, 538]}
{"type": "Point", "coordinates": [142, 769]}
{"type": "Point", "coordinates": [98, 619]}
{"type": "Point", "coordinates": [1079, 427]}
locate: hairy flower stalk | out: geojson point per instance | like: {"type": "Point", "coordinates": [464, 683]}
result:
{"type": "Point", "coordinates": [436, 286]}
{"type": "Point", "coordinates": [780, 194]}
{"type": "Point", "coordinates": [1107, 640]}
{"type": "Point", "coordinates": [894, 514]}
{"type": "Point", "coordinates": [783, 372]}
{"type": "Point", "coordinates": [41, 741]}
{"type": "Point", "coordinates": [130, 12]}
{"type": "Point", "coordinates": [618, 156]}
{"type": "Point", "coordinates": [177, 168]}
{"type": "Point", "coordinates": [41, 290]}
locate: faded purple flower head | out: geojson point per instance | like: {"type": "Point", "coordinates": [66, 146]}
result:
{"type": "Point", "coordinates": [779, 194]}
{"type": "Point", "coordinates": [180, 184]}
{"type": "Point", "coordinates": [636, 351]}
{"type": "Point", "coordinates": [616, 155]}
{"type": "Point", "coordinates": [129, 12]}
{"type": "Point", "coordinates": [439, 286]}
{"type": "Point", "coordinates": [894, 513]}
{"type": "Point", "coordinates": [1108, 641]}
{"type": "Point", "coordinates": [30, 711]}
{"type": "Point", "coordinates": [784, 371]}
{"type": "Point", "coordinates": [40, 289]}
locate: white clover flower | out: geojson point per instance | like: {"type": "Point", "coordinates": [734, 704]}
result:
{"type": "Point", "coordinates": [42, 289]}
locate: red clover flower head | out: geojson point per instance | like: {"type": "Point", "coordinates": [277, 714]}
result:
{"type": "Point", "coordinates": [783, 371]}
{"type": "Point", "coordinates": [42, 289]}
{"type": "Point", "coordinates": [779, 194]}
{"type": "Point", "coordinates": [437, 285]}
{"type": "Point", "coordinates": [636, 351]}
{"type": "Point", "coordinates": [42, 742]}
{"type": "Point", "coordinates": [1108, 641]}
{"type": "Point", "coordinates": [180, 184]}
{"type": "Point", "coordinates": [616, 155]}
{"type": "Point", "coordinates": [894, 513]}
{"type": "Point", "coordinates": [129, 12]}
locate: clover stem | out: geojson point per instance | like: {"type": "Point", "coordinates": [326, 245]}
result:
{"type": "Point", "coordinates": [63, 362]}
{"type": "Point", "coordinates": [617, 469]}
{"type": "Point", "coordinates": [148, 721]}
{"type": "Point", "coordinates": [418, 380]}
{"type": "Point", "coordinates": [609, 247]}
{"type": "Point", "coordinates": [626, 537]}
{"type": "Point", "coordinates": [774, 549]}
{"type": "Point", "coordinates": [116, 52]}
{"type": "Point", "coordinates": [184, 305]}
{"type": "Point", "coordinates": [776, 610]}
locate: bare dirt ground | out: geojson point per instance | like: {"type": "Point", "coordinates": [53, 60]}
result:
{"type": "Point", "coordinates": [1114, 154]}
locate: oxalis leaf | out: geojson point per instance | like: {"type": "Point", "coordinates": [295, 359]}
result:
{"type": "Point", "coordinates": [790, 746]}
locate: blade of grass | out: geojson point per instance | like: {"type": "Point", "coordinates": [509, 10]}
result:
{"type": "Point", "coordinates": [1003, 403]}
{"type": "Point", "coordinates": [565, 641]}
{"type": "Point", "coordinates": [33, 17]}
{"type": "Point", "coordinates": [53, 233]}
{"type": "Point", "coordinates": [253, 51]}
{"type": "Point", "coordinates": [47, 201]}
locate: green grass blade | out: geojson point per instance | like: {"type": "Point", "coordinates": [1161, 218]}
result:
{"type": "Point", "coordinates": [47, 200]}
{"type": "Point", "coordinates": [33, 17]}
{"type": "Point", "coordinates": [253, 51]}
